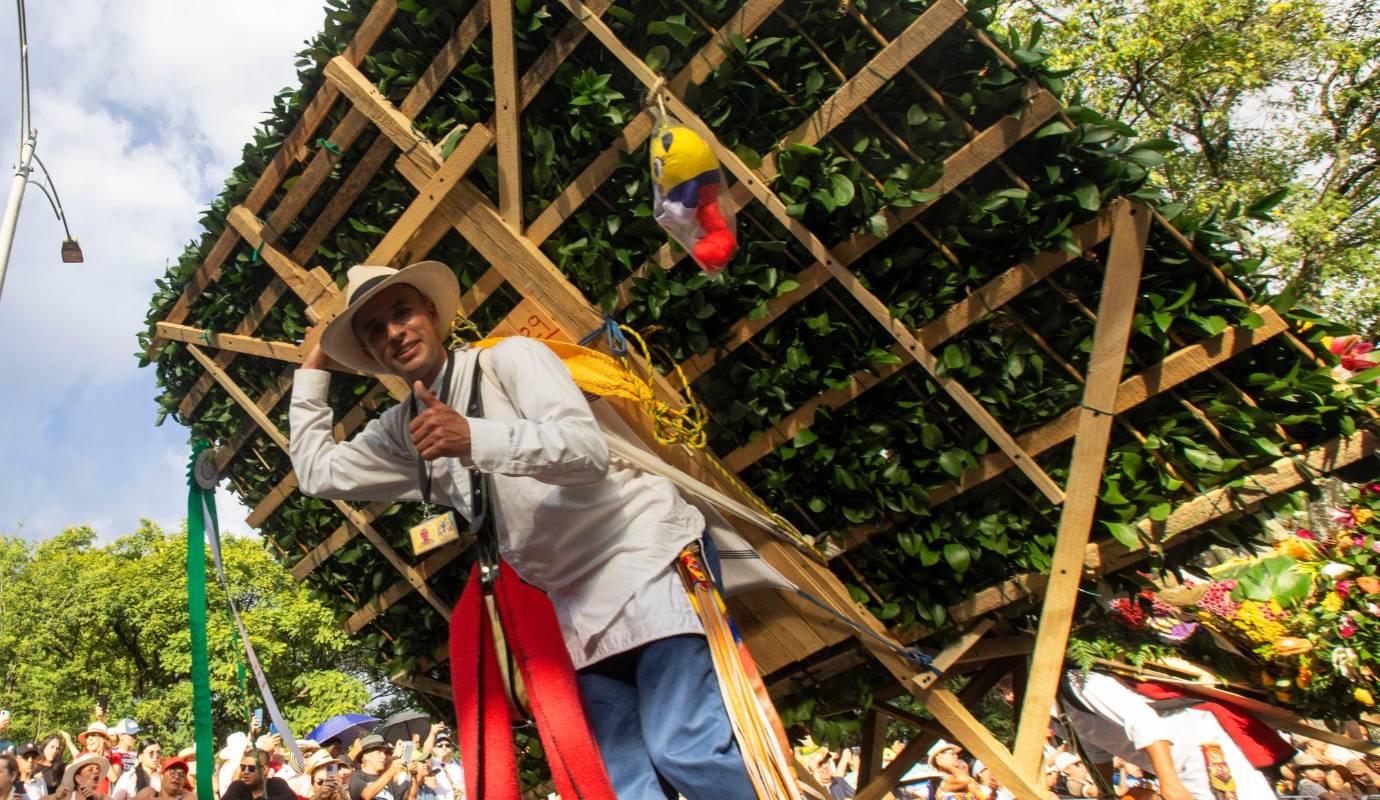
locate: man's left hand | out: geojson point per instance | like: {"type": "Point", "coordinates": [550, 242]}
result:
{"type": "Point", "coordinates": [439, 431]}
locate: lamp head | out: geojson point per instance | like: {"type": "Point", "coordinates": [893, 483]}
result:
{"type": "Point", "coordinates": [71, 251]}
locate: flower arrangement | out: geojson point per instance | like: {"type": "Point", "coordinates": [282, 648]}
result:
{"type": "Point", "coordinates": [1301, 621]}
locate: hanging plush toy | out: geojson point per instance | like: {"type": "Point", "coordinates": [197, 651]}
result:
{"type": "Point", "coordinates": [686, 178]}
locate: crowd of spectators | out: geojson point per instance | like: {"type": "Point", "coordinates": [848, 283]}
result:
{"type": "Point", "coordinates": [118, 763]}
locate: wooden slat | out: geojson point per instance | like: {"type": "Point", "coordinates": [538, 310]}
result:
{"type": "Point", "coordinates": [743, 23]}
{"type": "Point", "coordinates": [954, 715]}
{"type": "Point", "coordinates": [237, 394]}
{"type": "Point", "coordinates": [399, 244]}
{"type": "Point", "coordinates": [225, 452]}
{"type": "Point", "coordinates": [373, 26]}
{"type": "Point", "coordinates": [389, 597]}
{"type": "Point", "coordinates": [920, 34]}
{"type": "Point", "coordinates": [279, 351]}
{"type": "Point", "coordinates": [308, 289]}
{"type": "Point", "coordinates": [391, 122]}
{"type": "Point", "coordinates": [958, 167]}
{"type": "Point", "coordinates": [336, 540]}
{"type": "Point", "coordinates": [1116, 308]}
{"type": "Point", "coordinates": [992, 295]}
{"type": "Point", "coordinates": [506, 104]}
{"type": "Point", "coordinates": [951, 654]}
{"type": "Point", "coordinates": [276, 496]}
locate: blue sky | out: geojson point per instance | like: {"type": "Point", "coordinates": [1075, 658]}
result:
{"type": "Point", "coordinates": [141, 107]}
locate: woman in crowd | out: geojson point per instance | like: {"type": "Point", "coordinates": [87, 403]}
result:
{"type": "Point", "coordinates": [81, 780]}
{"type": "Point", "coordinates": [51, 762]}
{"type": "Point", "coordinates": [146, 773]}
{"type": "Point", "coordinates": [95, 741]}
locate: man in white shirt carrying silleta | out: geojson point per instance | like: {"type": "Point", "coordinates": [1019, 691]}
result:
{"type": "Point", "coordinates": [600, 538]}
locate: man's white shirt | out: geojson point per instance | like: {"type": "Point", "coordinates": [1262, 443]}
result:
{"type": "Point", "coordinates": [598, 536]}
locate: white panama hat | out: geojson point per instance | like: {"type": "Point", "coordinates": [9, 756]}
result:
{"type": "Point", "coordinates": [433, 279]}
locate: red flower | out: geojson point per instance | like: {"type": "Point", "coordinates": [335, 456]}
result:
{"type": "Point", "coordinates": [1349, 349]}
{"type": "Point", "coordinates": [1348, 627]}
{"type": "Point", "coordinates": [1344, 588]}
{"type": "Point", "coordinates": [1304, 533]}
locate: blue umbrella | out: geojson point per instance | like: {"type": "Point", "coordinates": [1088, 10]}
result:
{"type": "Point", "coordinates": [344, 728]}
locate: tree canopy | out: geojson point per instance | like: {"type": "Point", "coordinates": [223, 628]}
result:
{"type": "Point", "coordinates": [79, 619]}
{"type": "Point", "coordinates": [1274, 106]}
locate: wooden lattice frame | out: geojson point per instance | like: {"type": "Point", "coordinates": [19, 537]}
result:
{"type": "Point", "coordinates": [780, 631]}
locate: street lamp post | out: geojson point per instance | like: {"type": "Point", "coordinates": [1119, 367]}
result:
{"type": "Point", "coordinates": [21, 180]}
{"type": "Point", "coordinates": [28, 135]}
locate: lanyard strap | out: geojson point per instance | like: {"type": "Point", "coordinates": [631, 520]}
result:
{"type": "Point", "coordinates": [423, 468]}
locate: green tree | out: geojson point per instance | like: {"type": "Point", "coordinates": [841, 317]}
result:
{"type": "Point", "coordinates": [1260, 95]}
{"type": "Point", "coordinates": [78, 620]}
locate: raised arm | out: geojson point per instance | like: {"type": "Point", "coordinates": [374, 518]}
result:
{"type": "Point", "coordinates": [374, 465]}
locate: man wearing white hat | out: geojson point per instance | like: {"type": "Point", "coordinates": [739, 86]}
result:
{"type": "Point", "coordinates": [599, 538]}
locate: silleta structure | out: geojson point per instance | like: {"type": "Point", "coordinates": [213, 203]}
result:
{"type": "Point", "coordinates": [960, 329]}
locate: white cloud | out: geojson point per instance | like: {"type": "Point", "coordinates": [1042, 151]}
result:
{"type": "Point", "coordinates": [142, 107]}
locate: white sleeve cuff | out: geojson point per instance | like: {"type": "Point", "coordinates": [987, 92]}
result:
{"type": "Point", "coordinates": [310, 384]}
{"type": "Point", "coordinates": [489, 445]}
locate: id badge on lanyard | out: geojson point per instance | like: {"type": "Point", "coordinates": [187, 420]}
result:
{"type": "Point", "coordinates": [434, 530]}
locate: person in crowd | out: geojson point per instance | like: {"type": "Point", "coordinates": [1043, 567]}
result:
{"type": "Point", "coordinates": [30, 784]}
{"type": "Point", "coordinates": [830, 773]}
{"type": "Point", "coordinates": [1074, 778]}
{"type": "Point", "coordinates": [82, 778]}
{"type": "Point", "coordinates": [445, 768]}
{"type": "Point", "coordinates": [992, 788]}
{"type": "Point", "coordinates": [50, 762]}
{"type": "Point", "coordinates": [250, 783]}
{"type": "Point", "coordinates": [600, 538]}
{"type": "Point", "coordinates": [230, 756]}
{"type": "Point", "coordinates": [1112, 719]}
{"type": "Point", "coordinates": [95, 740]}
{"type": "Point", "coordinates": [173, 783]}
{"type": "Point", "coordinates": [382, 775]}
{"type": "Point", "coordinates": [324, 774]}
{"type": "Point", "coordinates": [301, 781]}
{"type": "Point", "coordinates": [957, 783]}
{"type": "Point", "coordinates": [9, 775]}
{"type": "Point", "coordinates": [125, 743]}
{"type": "Point", "coordinates": [145, 773]}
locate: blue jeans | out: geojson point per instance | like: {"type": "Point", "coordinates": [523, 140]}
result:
{"type": "Point", "coordinates": [660, 722]}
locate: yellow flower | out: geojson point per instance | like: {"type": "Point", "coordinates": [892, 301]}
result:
{"type": "Point", "coordinates": [1332, 603]}
{"type": "Point", "coordinates": [1363, 515]}
{"type": "Point", "coordinates": [1295, 547]}
{"type": "Point", "coordinates": [1251, 620]}
{"type": "Point", "coordinates": [1275, 608]}
{"type": "Point", "coordinates": [1363, 697]}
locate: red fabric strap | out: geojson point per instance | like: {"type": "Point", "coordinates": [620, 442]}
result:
{"type": "Point", "coordinates": [1259, 743]}
{"type": "Point", "coordinates": [534, 637]}
{"type": "Point", "coordinates": [481, 708]}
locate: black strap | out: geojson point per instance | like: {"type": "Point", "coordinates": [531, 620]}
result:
{"type": "Point", "coordinates": [482, 523]}
{"type": "Point", "coordinates": [423, 468]}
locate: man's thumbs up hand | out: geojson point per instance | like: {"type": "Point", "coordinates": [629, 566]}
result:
{"type": "Point", "coordinates": [428, 399]}
{"type": "Point", "coordinates": [437, 430]}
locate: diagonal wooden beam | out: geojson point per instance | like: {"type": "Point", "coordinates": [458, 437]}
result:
{"type": "Point", "coordinates": [372, 27]}
{"type": "Point", "coordinates": [336, 540]}
{"type": "Point", "coordinates": [1117, 306]}
{"type": "Point", "coordinates": [390, 596]}
{"type": "Point", "coordinates": [267, 401]}
{"type": "Point", "coordinates": [401, 238]}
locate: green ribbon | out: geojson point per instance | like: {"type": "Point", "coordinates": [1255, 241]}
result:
{"type": "Point", "coordinates": [196, 612]}
{"type": "Point", "coordinates": [323, 143]}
